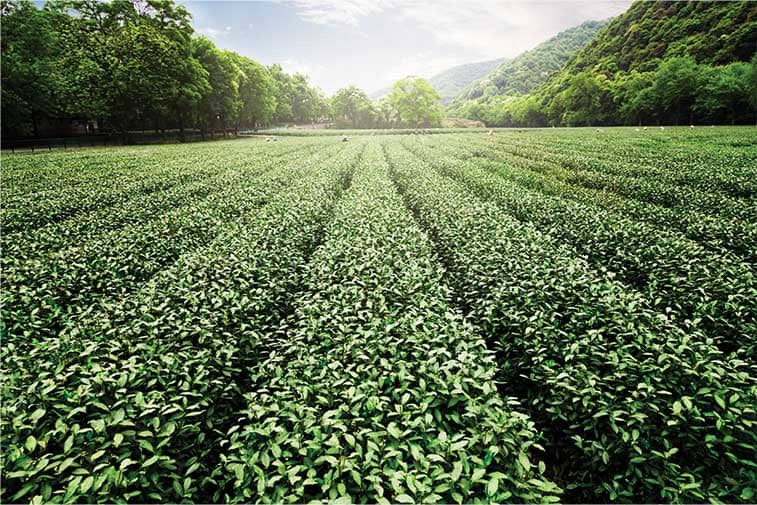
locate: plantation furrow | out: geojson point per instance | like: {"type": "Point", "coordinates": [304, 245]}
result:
{"type": "Point", "coordinates": [42, 174]}
{"type": "Point", "coordinates": [711, 167]}
{"type": "Point", "coordinates": [715, 233]}
{"type": "Point", "coordinates": [697, 287]}
{"type": "Point", "coordinates": [32, 211]}
{"type": "Point", "coordinates": [375, 390]}
{"type": "Point", "coordinates": [29, 244]}
{"type": "Point", "coordinates": [633, 408]}
{"type": "Point", "coordinates": [142, 417]}
{"type": "Point", "coordinates": [62, 286]}
{"type": "Point", "coordinates": [652, 185]}
{"type": "Point", "coordinates": [45, 174]}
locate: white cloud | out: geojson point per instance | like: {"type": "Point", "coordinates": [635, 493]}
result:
{"type": "Point", "coordinates": [212, 32]}
{"type": "Point", "coordinates": [485, 28]}
{"type": "Point", "coordinates": [422, 64]}
{"type": "Point", "coordinates": [293, 66]}
{"type": "Point", "coordinates": [336, 12]}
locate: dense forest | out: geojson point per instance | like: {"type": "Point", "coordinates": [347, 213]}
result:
{"type": "Point", "coordinates": [132, 65]}
{"type": "Point", "coordinates": [658, 63]}
{"type": "Point", "coordinates": [135, 65]}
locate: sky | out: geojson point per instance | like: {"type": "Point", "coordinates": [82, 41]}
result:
{"type": "Point", "coordinates": [372, 43]}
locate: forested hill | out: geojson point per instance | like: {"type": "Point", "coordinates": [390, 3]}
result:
{"type": "Point", "coordinates": [715, 33]}
{"type": "Point", "coordinates": [451, 81]}
{"type": "Point", "coordinates": [530, 69]}
{"type": "Point", "coordinates": [657, 63]}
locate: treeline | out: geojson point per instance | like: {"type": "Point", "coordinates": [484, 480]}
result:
{"type": "Point", "coordinates": [413, 103]}
{"type": "Point", "coordinates": [657, 63]}
{"type": "Point", "coordinates": [679, 92]}
{"type": "Point", "coordinates": [138, 65]}
{"type": "Point", "coordinates": [134, 65]}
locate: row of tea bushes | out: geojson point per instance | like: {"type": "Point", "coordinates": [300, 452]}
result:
{"type": "Point", "coordinates": [715, 232]}
{"type": "Point", "coordinates": [699, 287]}
{"type": "Point", "coordinates": [375, 390]}
{"type": "Point", "coordinates": [130, 403]}
{"type": "Point", "coordinates": [633, 408]}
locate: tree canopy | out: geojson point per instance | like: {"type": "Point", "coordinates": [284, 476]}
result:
{"type": "Point", "coordinates": [136, 64]}
{"type": "Point", "coordinates": [417, 103]}
{"type": "Point", "coordinates": [413, 103]}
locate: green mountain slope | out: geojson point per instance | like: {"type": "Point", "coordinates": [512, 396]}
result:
{"type": "Point", "coordinates": [661, 63]}
{"type": "Point", "coordinates": [714, 33]}
{"type": "Point", "coordinates": [451, 81]}
{"type": "Point", "coordinates": [532, 68]}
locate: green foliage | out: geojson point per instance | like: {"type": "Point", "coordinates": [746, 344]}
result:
{"type": "Point", "coordinates": [413, 103]}
{"type": "Point", "coordinates": [131, 65]}
{"type": "Point", "coordinates": [296, 99]}
{"type": "Point", "coordinates": [137, 417]}
{"type": "Point", "coordinates": [658, 63]}
{"type": "Point", "coordinates": [381, 393]}
{"type": "Point", "coordinates": [352, 106]}
{"type": "Point", "coordinates": [30, 76]}
{"type": "Point", "coordinates": [625, 394]}
{"type": "Point", "coordinates": [525, 317]}
{"type": "Point", "coordinates": [416, 102]}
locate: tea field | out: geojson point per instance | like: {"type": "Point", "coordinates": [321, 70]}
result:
{"type": "Point", "coordinates": [529, 316]}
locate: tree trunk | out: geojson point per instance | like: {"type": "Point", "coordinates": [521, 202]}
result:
{"type": "Point", "coordinates": [35, 129]}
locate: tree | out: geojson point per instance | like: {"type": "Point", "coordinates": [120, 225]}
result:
{"type": "Point", "coordinates": [30, 79]}
{"type": "Point", "coordinates": [351, 104]}
{"type": "Point", "coordinates": [631, 100]}
{"type": "Point", "coordinates": [126, 60]}
{"type": "Point", "coordinates": [134, 62]}
{"type": "Point", "coordinates": [416, 102]}
{"type": "Point", "coordinates": [386, 115]}
{"type": "Point", "coordinates": [676, 83]}
{"type": "Point", "coordinates": [723, 92]}
{"type": "Point", "coordinates": [192, 87]}
{"type": "Point", "coordinates": [585, 100]}
{"type": "Point", "coordinates": [222, 103]}
{"type": "Point", "coordinates": [256, 93]}
{"type": "Point", "coordinates": [305, 106]}
{"type": "Point", "coordinates": [283, 93]}
{"type": "Point", "coordinates": [753, 87]}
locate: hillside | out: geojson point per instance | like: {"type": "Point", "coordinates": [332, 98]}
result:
{"type": "Point", "coordinates": [661, 62]}
{"type": "Point", "coordinates": [657, 63]}
{"type": "Point", "coordinates": [714, 33]}
{"type": "Point", "coordinates": [453, 80]}
{"type": "Point", "coordinates": [532, 68]}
